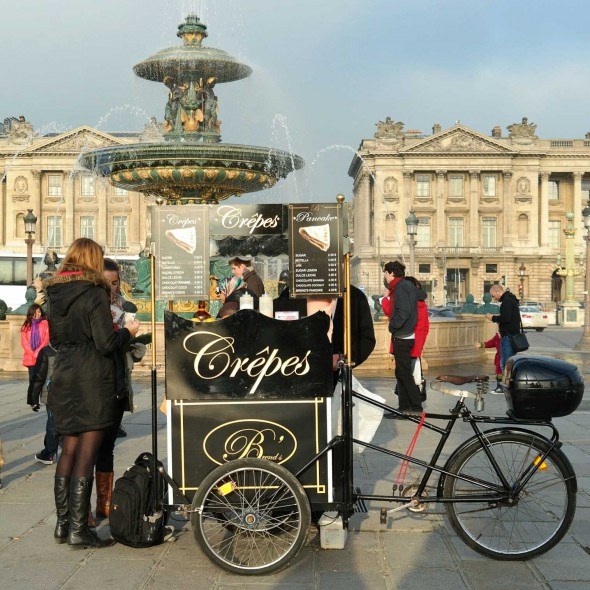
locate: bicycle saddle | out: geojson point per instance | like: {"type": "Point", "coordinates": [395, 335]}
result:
{"type": "Point", "coordinates": [462, 379]}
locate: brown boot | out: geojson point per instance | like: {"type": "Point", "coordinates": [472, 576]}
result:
{"type": "Point", "coordinates": [104, 490]}
{"type": "Point", "coordinates": [91, 520]}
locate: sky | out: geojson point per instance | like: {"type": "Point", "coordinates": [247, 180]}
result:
{"type": "Point", "coordinates": [324, 71]}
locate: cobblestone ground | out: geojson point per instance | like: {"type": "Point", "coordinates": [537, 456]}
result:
{"type": "Point", "coordinates": [413, 551]}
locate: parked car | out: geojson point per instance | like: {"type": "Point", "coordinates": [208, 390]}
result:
{"type": "Point", "coordinates": [533, 304]}
{"type": "Point", "coordinates": [533, 318]}
{"type": "Point", "coordinates": [441, 312]}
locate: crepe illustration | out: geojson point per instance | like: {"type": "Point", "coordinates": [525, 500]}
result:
{"type": "Point", "coordinates": [317, 235]}
{"type": "Point", "coordinates": [183, 237]}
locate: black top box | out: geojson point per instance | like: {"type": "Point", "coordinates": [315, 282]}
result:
{"type": "Point", "coordinates": [541, 387]}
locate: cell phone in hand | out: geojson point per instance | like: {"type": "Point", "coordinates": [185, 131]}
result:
{"type": "Point", "coordinates": [129, 317]}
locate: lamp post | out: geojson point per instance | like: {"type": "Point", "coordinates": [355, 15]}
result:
{"type": "Point", "coordinates": [584, 343]}
{"type": "Point", "coordinates": [30, 224]}
{"type": "Point", "coordinates": [521, 274]}
{"type": "Point", "coordinates": [412, 230]}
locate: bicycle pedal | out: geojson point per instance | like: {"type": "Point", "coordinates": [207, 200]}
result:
{"type": "Point", "coordinates": [383, 516]}
{"type": "Point", "coordinates": [360, 505]}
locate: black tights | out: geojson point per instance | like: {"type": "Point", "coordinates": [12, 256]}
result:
{"type": "Point", "coordinates": [79, 452]}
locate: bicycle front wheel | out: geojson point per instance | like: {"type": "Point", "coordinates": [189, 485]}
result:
{"type": "Point", "coordinates": [251, 516]}
{"type": "Point", "coordinates": [529, 524]}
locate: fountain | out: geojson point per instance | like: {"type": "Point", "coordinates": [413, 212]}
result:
{"type": "Point", "coordinates": [190, 164]}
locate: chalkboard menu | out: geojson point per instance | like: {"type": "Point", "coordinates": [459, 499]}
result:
{"type": "Point", "coordinates": [315, 250]}
{"type": "Point", "coordinates": [181, 236]}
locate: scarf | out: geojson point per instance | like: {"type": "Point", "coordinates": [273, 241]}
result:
{"type": "Point", "coordinates": [35, 335]}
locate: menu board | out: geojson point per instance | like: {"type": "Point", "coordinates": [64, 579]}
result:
{"type": "Point", "coordinates": [181, 236]}
{"type": "Point", "coordinates": [315, 250]}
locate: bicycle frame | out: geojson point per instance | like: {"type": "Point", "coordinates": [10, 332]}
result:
{"type": "Point", "coordinates": [498, 493]}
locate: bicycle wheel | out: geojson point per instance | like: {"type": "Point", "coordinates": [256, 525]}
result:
{"type": "Point", "coordinates": [251, 516]}
{"type": "Point", "coordinates": [534, 521]}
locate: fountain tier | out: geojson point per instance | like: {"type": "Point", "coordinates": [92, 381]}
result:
{"type": "Point", "coordinates": [190, 165]}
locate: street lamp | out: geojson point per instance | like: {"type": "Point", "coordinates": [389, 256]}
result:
{"type": "Point", "coordinates": [584, 343]}
{"type": "Point", "coordinates": [521, 273]}
{"type": "Point", "coordinates": [412, 230]}
{"type": "Point", "coordinates": [30, 224]}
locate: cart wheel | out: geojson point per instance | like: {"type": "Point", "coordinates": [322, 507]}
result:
{"type": "Point", "coordinates": [250, 516]}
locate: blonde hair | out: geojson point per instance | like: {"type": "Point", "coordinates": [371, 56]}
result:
{"type": "Point", "coordinates": [84, 254]}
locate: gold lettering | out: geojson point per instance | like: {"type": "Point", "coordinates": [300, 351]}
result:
{"type": "Point", "coordinates": [214, 349]}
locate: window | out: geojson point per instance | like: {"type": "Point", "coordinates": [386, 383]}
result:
{"type": "Point", "coordinates": [87, 227]}
{"type": "Point", "coordinates": [491, 268]}
{"type": "Point", "coordinates": [87, 185]}
{"type": "Point", "coordinates": [120, 232]}
{"type": "Point", "coordinates": [20, 226]}
{"type": "Point", "coordinates": [455, 232]}
{"type": "Point", "coordinates": [54, 185]}
{"type": "Point", "coordinates": [424, 268]}
{"type": "Point", "coordinates": [554, 189]}
{"type": "Point", "coordinates": [120, 192]}
{"type": "Point", "coordinates": [523, 226]}
{"type": "Point", "coordinates": [489, 232]}
{"type": "Point", "coordinates": [489, 185]}
{"type": "Point", "coordinates": [390, 226]}
{"type": "Point", "coordinates": [554, 234]}
{"type": "Point", "coordinates": [423, 185]}
{"type": "Point", "coordinates": [423, 233]}
{"type": "Point", "coordinates": [455, 186]}
{"type": "Point", "coordinates": [54, 231]}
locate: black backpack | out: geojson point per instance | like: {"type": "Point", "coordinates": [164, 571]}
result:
{"type": "Point", "coordinates": [132, 519]}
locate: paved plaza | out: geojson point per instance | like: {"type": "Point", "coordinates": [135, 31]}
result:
{"type": "Point", "coordinates": [413, 551]}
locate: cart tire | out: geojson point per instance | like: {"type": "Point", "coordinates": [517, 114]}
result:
{"type": "Point", "coordinates": [250, 516]}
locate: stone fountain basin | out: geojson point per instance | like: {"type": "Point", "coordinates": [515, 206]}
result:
{"type": "Point", "coordinates": [183, 173]}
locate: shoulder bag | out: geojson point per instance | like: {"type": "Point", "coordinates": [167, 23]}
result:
{"type": "Point", "coordinates": [519, 341]}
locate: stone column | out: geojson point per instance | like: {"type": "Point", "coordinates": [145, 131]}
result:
{"type": "Point", "coordinates": [544, 210]}
{"type": "Point", "coordinates": [578, 226]}
{"type": "Point", "coordinates": [474, 237]}
{"type": "Point", "coordinates": [102, 197]}
{"type": "Point", "coordinates": [364, 213]}
{"type": "Point", "coordinates": [440, 207]}
{"type": "Point", "coordinates": [508, 223]}
{"type": "Point", "coordinates": [36, 204]}
{"type": "Point", "coordinates": [68, 218]}
{"type": "Point", "coordinates": [405, 205]}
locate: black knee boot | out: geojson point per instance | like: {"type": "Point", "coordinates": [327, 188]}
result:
{"type": "Point", "coordinates": [61, 490]}
{"type": "Point", "coordinates": [80, 536]}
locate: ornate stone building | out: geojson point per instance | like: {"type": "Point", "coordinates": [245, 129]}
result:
{"type": "Point", "coordinates": [486, 205]}
{"type": "Point", "coordinates": [41, 173]}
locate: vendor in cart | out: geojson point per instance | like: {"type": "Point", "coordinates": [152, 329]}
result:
{"type": "Point", "coordinates": [244, 277]}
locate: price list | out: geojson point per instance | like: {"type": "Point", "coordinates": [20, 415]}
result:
{"type": "Point", "coordinates": [181, 236]}
{"type": "Point", "coordinates": [315, 250]}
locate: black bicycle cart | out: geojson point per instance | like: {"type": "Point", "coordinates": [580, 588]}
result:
{"type": "Point", "coordinates": [252, 458]}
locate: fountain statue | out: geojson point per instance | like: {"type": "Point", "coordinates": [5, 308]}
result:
{"type": "Point", "coordinates": [190, 164]}
{"type": "Point", "coordinates": [469, 306]}
{"type": "Point", "coordinates": [487, 305]}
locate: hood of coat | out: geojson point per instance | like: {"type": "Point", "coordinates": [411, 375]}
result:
{"type": "Point", "coordinates": [64, 289]}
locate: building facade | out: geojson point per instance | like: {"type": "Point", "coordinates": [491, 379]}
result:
{"type": "Point", "coordinates": [487, 206]}
{"type": "Point", "coordinates": [42, 174]}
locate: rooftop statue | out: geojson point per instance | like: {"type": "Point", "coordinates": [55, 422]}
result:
{"type": "Point", "coordinates": [389, 129]}
{"type": "Point", "coordinates": [469, 306]}
{"type": "Point", "coordinates": [524, 130]}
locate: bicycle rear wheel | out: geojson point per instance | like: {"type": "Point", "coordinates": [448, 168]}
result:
{"type": "Point", "coordinates": [534, 521]}
{"type": "Point", "coordinates": [251, 516]}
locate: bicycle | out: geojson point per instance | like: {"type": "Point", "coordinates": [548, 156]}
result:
{"type": "Point", "coordinates": [509, 492]}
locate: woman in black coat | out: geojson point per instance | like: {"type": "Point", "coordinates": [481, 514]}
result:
{"type": "Point", "coordinates": [83, 384]}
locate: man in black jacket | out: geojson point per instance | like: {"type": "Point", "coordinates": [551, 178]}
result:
{"type": "Point", "coordinates": [402, 323]}
{"type": "Point", "coordinates": [508, 320]}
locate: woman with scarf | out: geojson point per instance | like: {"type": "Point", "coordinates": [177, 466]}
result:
{"type": "Point", "coordinates": [34, 335]}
